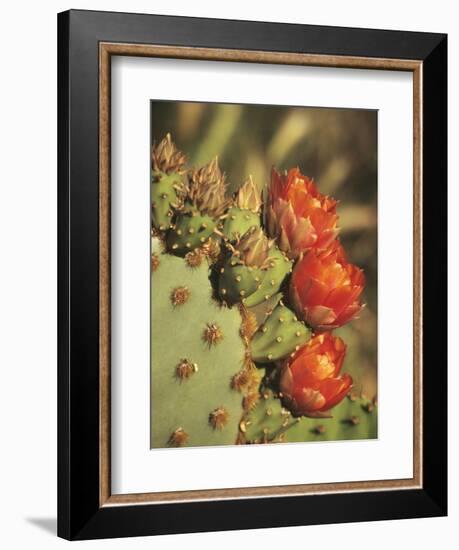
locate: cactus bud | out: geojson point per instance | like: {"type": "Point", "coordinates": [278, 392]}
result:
{"type": "Point", "coordinates": [245, 214]}
{"type": "Point", "coordinates": [248, 197]}
{"type": "Point", "coordinates": [167, 158]}
{"type": "Point", "coordinates": [254, 249]}
{"type": "Point", "coordinates": [204, 205]}
{"type": "Point", "coordinates": [256, 267]}
{"type": "Point", "coordinates": [167, 186]}
{"type": "Point", "coordinates": [207, 189]}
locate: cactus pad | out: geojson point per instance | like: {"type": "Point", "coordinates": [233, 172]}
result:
{"type": "Point", "coordinates": [193, 401]}
{"type": "Point", "coordinates": [191, 231]}
{"type": "Point", "coordinates": [165, 196]}
{"type": "Point", "coordinates": [279, 336]}
{"type": "Point", "coordinates": [271, 280]}
{"type": "Point", "coordinates": [238, 221]}
{"type": "Point", "coordinates": [238, 280]}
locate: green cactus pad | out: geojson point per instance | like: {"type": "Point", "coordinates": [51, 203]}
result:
{"type": "Point", "coordinates": [238, 221]}
{"type": "Point", "coordinates": [164, 198]}
{"type": "Point", "coordinates": [267, 421]}
{"type": "Point", "coordinates": [271, 279]}
{"type": "Point", "coordinates": [238, 280]}
{"type": "Point", "coordinates": [196, 349]}
{"type": "Point", "coordinates": [251, 285]}
{"type": "Point", "coordinates": [279, 336]}
{"type": "Point", "coordinates": [191, 231]}
{"type": "Point", "coordinates": [355, 417]}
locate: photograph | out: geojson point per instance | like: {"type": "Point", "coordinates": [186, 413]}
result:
{"type": "Point", "coordinates": [264, 262]}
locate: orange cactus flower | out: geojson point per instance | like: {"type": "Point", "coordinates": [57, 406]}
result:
{"type": "Point", "coordinates": [297, 215]}
{"type": "Point", "coordinates": [325, 288]}
{"type": "Point", "coordinates": [310, 381]}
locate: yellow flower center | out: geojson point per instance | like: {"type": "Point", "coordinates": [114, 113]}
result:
{"type": "Point", "coordinates": [324, 367]}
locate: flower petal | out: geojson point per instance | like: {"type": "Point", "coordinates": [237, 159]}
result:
{"type": "Point", "coordinates": [319, 316]}
{"type": "Point", "coordinates": [335, 390]}
{"type": "Point", "coordinates": [310, 400]}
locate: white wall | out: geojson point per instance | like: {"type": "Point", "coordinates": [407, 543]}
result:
{"type": "Point", "coordinates": [28, 268]}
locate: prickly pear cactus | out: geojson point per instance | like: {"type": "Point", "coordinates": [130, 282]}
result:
{"type": "Point", "coordinates": [196, 350]}
{"type": "Point", "coordinates": [230, 361]}
{"type": "Point", "coordinates": [270, 422]}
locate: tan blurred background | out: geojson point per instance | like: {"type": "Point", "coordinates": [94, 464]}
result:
{"type": "Point", "coordinates": [336, 147]}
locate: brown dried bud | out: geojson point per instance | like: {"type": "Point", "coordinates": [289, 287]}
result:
{"type": "Point", "coordinates": [207, 188]}
{"type": "Point", "coordinates": [248, 197]}
{"type": "Point", "coordinates": [167, 158]}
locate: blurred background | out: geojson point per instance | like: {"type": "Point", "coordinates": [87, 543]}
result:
{"type": "Point", "coordinates": [336, 147]}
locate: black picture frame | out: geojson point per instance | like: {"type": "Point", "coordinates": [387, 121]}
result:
{"type": "Point", "coordinates": [80, 515]}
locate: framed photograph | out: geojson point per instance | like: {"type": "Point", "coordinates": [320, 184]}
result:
{"type": "Point", "coordinates": [252, 274]}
